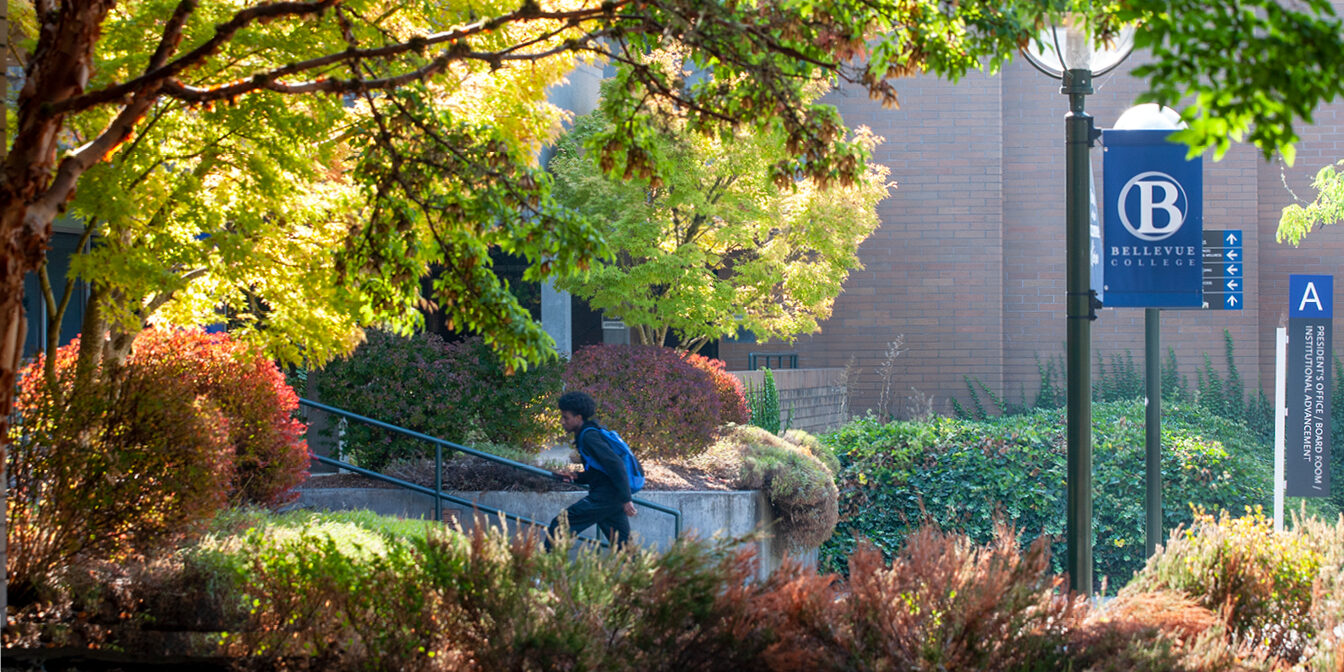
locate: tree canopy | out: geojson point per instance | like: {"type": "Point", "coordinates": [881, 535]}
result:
{"type": "Point", "coordinates": [1297, 220]}
{"type": "Point", "coordinates": [717, 243]}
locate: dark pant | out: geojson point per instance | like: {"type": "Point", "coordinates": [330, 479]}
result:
{"type": "Point", "coordinates": [609, 518]}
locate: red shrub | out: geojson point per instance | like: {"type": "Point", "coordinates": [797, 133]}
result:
{"type": "Point", "coordinates": [660, 404]}
{"type": "Point", "coordinates": [270, 453]}
{"type": "Point", "coordinates": [732, 398]}
{"type": "Point", "coordinates": [111, 469]}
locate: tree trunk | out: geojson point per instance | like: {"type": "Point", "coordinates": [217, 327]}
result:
{"type": "Point", "coordinates": [32, 191]}
{"type": "Point", "coordinates": [11, 350]}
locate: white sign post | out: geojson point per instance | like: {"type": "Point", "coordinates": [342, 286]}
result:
{"type": "Point", "coordinates": [1280, 419]}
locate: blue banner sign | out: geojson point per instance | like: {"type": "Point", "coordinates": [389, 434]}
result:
{"type": "Point", "coordinates": [1153, 222]}
{"type": "Point", "coordinates": [1306, 453]}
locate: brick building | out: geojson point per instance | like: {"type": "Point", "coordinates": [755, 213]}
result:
{"type": "Point", "coordinates": [968, 264]}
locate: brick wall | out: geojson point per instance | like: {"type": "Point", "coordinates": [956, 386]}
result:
{"type": "Point", "coordinates": [968, 263]}
{"type": "Point", "coordinates": [816, 397]}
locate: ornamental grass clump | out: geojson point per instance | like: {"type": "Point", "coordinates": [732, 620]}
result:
{"type": "Point", "coordinates": [800, 487]}
{"type": "Point", "coordinates": [942, 603]}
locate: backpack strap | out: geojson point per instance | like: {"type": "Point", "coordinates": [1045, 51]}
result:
{"type": "Point", "coordinates": [587, 461]}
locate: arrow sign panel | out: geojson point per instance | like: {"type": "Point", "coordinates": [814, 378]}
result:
{"type": "Point", "coordinates": [1223, 288]}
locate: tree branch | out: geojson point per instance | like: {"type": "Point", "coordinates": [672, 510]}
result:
{"type": "Point", "coordinates": [172, 34]}
{"type": "Point", "coordinates": [268, 80]}
{"type": "Point", "coordinates": [163, 297]}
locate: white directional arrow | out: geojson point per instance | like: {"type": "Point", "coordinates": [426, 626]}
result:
{"type": "Point", "coordinates": [1231, 299]}
{"type": "Point", "coordinates": [1232, 285]}
{"type": "Point", "coordinates": [1206, 304]}
{"type": "Point", "coordinates": [1232, 254]}
{"type": "Point", "coordinates": [1233, 270]}
{"type": "Point", "coordinates": [1231, 238]}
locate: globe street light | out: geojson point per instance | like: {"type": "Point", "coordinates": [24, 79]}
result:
{"type": "Point", "coordinates": [1067, 53]}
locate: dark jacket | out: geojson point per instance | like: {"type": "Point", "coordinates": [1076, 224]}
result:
{"type": "Point", "coordinates": [611, 486]}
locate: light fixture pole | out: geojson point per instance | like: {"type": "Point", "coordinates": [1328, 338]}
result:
{"type": "Point", "coordinates": [1078, 131]}
{"type": "Point", "coordinates": [1066, 53]}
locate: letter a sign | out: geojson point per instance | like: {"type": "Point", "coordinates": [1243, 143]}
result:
{"type": "Point", "coordinates": [1154, 222]}
{"type": "Point", "coordinates": [1306, 453]}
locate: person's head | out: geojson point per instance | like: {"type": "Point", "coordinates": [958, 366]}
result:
{"type": "Point", "coordinates": [576, 408]}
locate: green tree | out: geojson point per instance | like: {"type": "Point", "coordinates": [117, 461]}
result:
{"type": "Point", "coordinates": [1297, 220]}
{"type": "Point", "coordinates": [445, 159]}
{"type": "Point", "coordinates": [717, 244]}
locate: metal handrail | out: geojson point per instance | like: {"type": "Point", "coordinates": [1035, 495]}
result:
{"type": "Point", "coordinates": [440, 496]}
{"type": "Point", "coordinates": [439, 444]}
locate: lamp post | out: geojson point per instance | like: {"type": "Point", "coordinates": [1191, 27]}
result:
{"type": "Point", "coordinates": [1066, 53]}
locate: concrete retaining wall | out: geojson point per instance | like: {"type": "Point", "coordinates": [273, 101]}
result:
{"type": "Point", "coordinates": [816, 396]}
{"type": "Point", "coordinates": [705, 513]}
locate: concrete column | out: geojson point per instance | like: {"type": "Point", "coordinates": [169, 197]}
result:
{"type": "Point", "coordinates": [557, 317]}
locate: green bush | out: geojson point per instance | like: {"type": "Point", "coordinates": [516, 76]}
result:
{"type": "Point", "coordinates": [1279, 592]}
{"type": "Point", "coordinates": [458, 392]}
{"type": "Point", "coordinates": [961, 474]}
{"type": "Point", "coordinates": [348, 592]}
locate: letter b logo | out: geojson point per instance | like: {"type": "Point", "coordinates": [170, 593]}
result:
{"type": "Point", "coordinates": [1157, 201]}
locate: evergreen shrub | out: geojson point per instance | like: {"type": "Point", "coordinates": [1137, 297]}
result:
{"type": "Point", "coordinates": [765, 403]}
{"type": "Point", "coordinates": [961, 474]}
{"type": "Point", "coordinates": [661, 404]}
{"type": "Point", "coordinates": [458, 392]}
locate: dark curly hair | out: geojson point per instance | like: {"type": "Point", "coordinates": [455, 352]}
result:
{"type": "Point", "coordinates": [578, 403]}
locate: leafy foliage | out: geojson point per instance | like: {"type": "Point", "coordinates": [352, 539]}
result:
{"type": "Point", "coordinates": [344, 594]}
{"type": "Point", "coordinates": [111, 468]}
{"type": "Point", "coordinates": [732, 399]}
{"type": "Point", "coordinates": [716, 243]}
{"type": "Point", "coordinates": [960, 474]}
{"type": "Point", "coordinates": [352, 590]}
{"type": "Point", "coordinates": [270, 455]}
{"type": "Point", "coordinates": [1296, 220]}
{"type": "Point", "coordinates": [1277, 591]}
{"type": "Point", "coordinates": [230, 214]}
{"type": "Point", "coordinates": [661, 404]}
{"type": "Point", "coordinates": [1218, 57]}
{"type": "Point", "coordinates": [460, 392]}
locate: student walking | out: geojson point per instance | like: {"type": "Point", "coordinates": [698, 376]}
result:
{"type": "Point", "coordinates": [605, 472]}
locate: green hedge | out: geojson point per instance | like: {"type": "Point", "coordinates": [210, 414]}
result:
{"type": "Point", "coordinates": [459, 392]}
{"type": "Point", "coordinates": [961, 474]}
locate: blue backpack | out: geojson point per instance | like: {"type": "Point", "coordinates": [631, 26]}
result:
{"type": "Point", "coordinates": [622, 449]}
